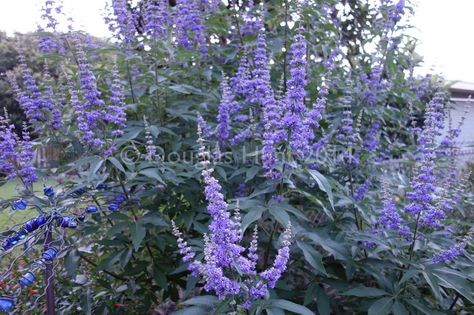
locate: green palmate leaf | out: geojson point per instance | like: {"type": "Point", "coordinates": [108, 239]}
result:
{"type": "Point", "coordinates": [322, 301]}
{"type": "Point", "coordinates": [337, 249]}
{"type": "Point", "coordinates": [193, 310]}
{"type": "Point", "coordinates": [108, 261]}
{"type": "Point", "coordinates": [323, 184]}
{"type": "Point", "coordinates": [313, 257]}
{"type": "Point", "coordinates": [274, 311]}
{"type": "Point", "coordinates": [399, 309]}
{"type": "Point", "coordinates": [116, 163]}
{"type": "Point", "coordinates": [250, 217]}
{"type": "Point", "coordinates": [290, 306]}
{"type": "Point", "coordinates": [280, 215]}
{"type": "Point", "coordinates": [455, 280]}
{"type": "Point", "coordinates": [410, 273]}
{"type": "Point", "coordinates": [152, 173]}
{"type": "Point", "coordinates": [381, 307]}
{"type": "Point", "coordinates": [205, 300]}
{"type": "Point", "coordinates": [422, 307]}
{"type": "Point", "coordinates": [433, 283]}
{"type": "Point", "coordinates": [137, 233]}
{"type": "Point", "coordinates": [362, 291]}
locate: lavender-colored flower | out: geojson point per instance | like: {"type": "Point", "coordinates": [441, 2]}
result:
{"type": "Point", "coordinates": [122, 24]}
{"type": "Point", "coordinates": [227, 106]}
{"type": "Point", "coordinates": [50, 43]}
{"type": "Point", "coordinates": [253, 23]}
{"type": "Point", "coordinates": [279, 265]}
{"type": "Point", "coordinates": [458, 249]}
{"type": "Point", "coordinates": [241, 137]}
{"type": "Point", "coordinates": [51, 103]}
{"type": "Point", "coordinates": [260, 82]}
{"type": "Point", "coordinates": [91, 112]}
{"type": "Point", "coordinates": [347, 136]}
{"type": "Point", "coordinates": [31, 100]}
{"type": "Point", "coordinates": [16, 154]}
{"type": "Point", "coordinates": [362, 190]}
{"type": "Point", "coordinates": [295, 119]}
{"type": "Point", "coordinates": [241, 83]}
{"type": "Point", "coordinates": [423, 184]}
{"type": "Point", "coordinates": [157, 18]}
{"type": "Point", "coordinates": [190, 29]}
{"type": "Point", "coordinates": [389, 216]}
{"type": "Point", "coordinates": [223, 254]}
{"type": "Point", "coordinates": [371, 140]}
{"type": "Point", "coordinates": [116, 115]}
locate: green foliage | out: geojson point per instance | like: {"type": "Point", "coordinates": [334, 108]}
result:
{"type": "Point", "coordinates": [128, 260]}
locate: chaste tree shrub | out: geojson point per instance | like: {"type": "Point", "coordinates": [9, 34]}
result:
{"type": "Point", "coordinates": [236, 157]}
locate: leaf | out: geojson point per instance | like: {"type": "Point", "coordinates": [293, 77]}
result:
{"type": "Point", "coordinates": [399, 309]}
{"type": "Point", "coordinates": [323, 184]}
{"type": "Point", "coordinates": [108, 261]}
{"type": "Point", "coordinates": [137, 232]}
{"type": "Point", "coordinates": [193, 310]}
{"type": "Point", "coordinates": [433, 283]}
{"type": "Point", "coordinates": [362, 291]}
{"type": "Point", "coordinates": [117, 164]}
{"type": "Point", "coordinates": [313, 257]}
{"type": "Point", "coordinates": [274, 311]}
{"type": "Point", "coordinates": [205, 300]}
{"type": "Point", "coordinates": [419, 305]}
{"type": "Point", "coordinates": [251, 172]}
{"type": "Point", "coordinates": [322, 301]}
{"type": "Point", "coordinates": [410, 273]}
{"type": "Point", "coordinates": [280, 215]}
{"type": "Point", "coordinates": [381, 307]}
{"type": "Point", "coordinates": [153, 219]}
{"type": "Point", "coordinates": [451, 279]}
{"type": "Point", "coordinates": [250, 217]}
{"type": "Point", "coordinates": [152, 173]}
{"type": "Point", "coordinates": [71, 263]}
{"type": "Point", "coordinates": [185, 89]}
{"type": "Point", "coordinates": [290, 306]}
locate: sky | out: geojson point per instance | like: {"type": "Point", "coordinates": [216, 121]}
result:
{"type": "Point", "coordinates": [444, 28]}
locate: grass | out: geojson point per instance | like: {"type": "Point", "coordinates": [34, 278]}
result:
{"type": "Point", "coordinates": [9, 217]}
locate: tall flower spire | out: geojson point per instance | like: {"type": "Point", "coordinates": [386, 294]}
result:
{"type": "Point", "coordinates": [224, 257]}
{"type": "Point", "coordinates": [122, 24]}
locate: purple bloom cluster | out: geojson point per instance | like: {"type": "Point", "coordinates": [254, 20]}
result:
{"type": "Point", "coordinates": [295, 119]}
{"type": "Point", "coordinates": [423, 184]}
{"type": "Point", "coordinates": [362, 190]}
{"type": "Point", "coordinates": [157, 18]}
{"type": "Point", "coordinates": [227, 107]}
{"type": "Point", "coordinates": [347, 136]}
{"type": "Point", "coordinates": [390, 218]}
{"type": "Point", "coordinates": [458, 249]}
{"type": "Point", "coordinates": [39, 107]}
{"type": "Point", "coordinates": [53, 105]}
{"type": "Point", "coordinates": [93, 115]}
{"type": "Point", "coordinates": [224, 257]}
{"type": "Point", "coordinates": [49, 43]}
{"type": "Point", "coordinates": [190, 29]}
{"type": "Point", "coordinates": [91, 111]}
{"type": "Point", "coordinates": [122, 23]}
{"type": "Point", "coordinates": [115, 115]}
{"type": "Point", "coordinates": [241, 82]}
{"type": "Point", "coordinates": [373, 84]}
{"type": "Point", "coordinates": [253, 23]}
{"type": "Point", "coordinates": [371, 140]}
{"type": "Point", "coordinates": [16, 154]}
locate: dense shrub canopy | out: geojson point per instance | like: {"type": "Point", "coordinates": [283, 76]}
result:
{"type": "Point", "coordinates": [236, 157]}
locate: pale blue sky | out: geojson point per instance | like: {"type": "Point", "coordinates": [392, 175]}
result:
{"type": "Point", "coordinates": [444, 27]}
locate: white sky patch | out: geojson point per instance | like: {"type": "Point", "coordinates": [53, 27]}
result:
{"type": "Point", "coordinates": [444, 28]}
